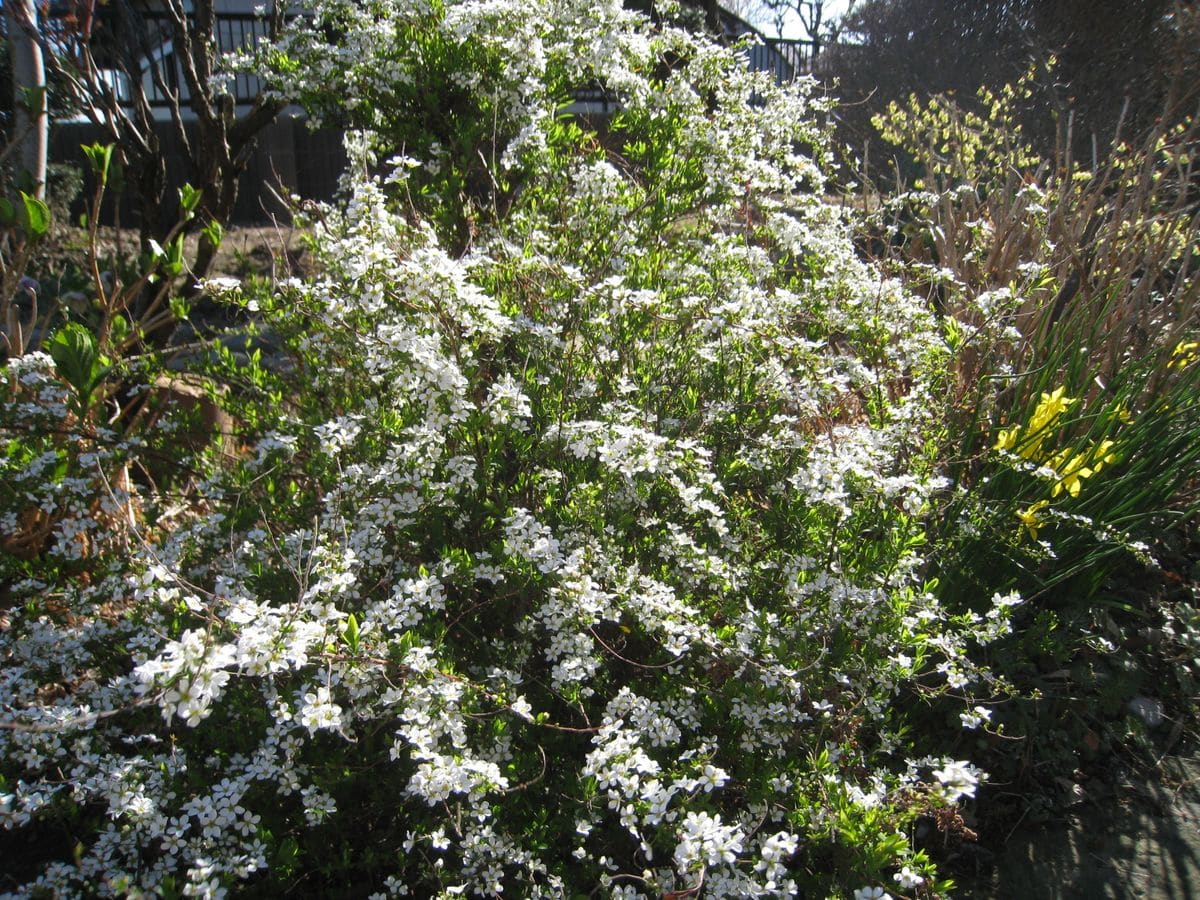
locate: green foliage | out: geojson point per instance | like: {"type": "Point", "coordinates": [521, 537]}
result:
{"type": "Point", "coordinates": [953, 147]}
{"type": "Point", "coordinates": [73, 349]}
{"type": "Point", "coordinates": [189, 199]}
{"type": "Point", "coordinates": [99, 156]}
{"type": "Point", "coordinates": [33, 216]}
{"type": "Point", "coordinates": [1073, 431]}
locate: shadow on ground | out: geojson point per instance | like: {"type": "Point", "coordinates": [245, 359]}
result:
{"type": "Point", "coordinates": [1139, 839]}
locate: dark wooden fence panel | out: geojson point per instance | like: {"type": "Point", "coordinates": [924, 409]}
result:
{"type": "Point", "coordinates": [288, 158]}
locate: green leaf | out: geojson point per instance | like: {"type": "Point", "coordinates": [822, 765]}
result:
{"type": "Point", "coordinates": [119, 329]}
{"type": "Point", "coordinates": [189, 199]}
{"type": "Point", "coordinates": [100, 156]}
{"type": "Point", "coordinates": [287, 853]}
{"type": "Point", "coordinates": [173, 264]}
{"type": "Point", "coordinates": [213, 233]}
{"type": "Point", "coordinates": [36, 218]}
{"type": "Point", "coordinates": [76, 357]}
{"type": "Point", "coordinates": [350, 633]}
{"type": "Point", "coordinates": [33, 99]}
{"type": "Point", "coordinates": [73, 349]}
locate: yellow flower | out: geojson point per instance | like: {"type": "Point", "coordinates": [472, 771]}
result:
{"type": "Point", "coordinates": [1029, 518]}
{"type": "Point", "coordinates": [1049, 408]}
{"type": "Point", "coordinates": [1007, 438]}
{"type": "Point", "coordinates": [1102, 456]}
{"type": "Point", "coordinates": [1071, 471]}
{"type": "Point", "coordinates": [1184, 354]}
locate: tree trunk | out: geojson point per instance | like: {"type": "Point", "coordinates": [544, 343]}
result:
{"type": "Point", "coordinates": [32, 125]}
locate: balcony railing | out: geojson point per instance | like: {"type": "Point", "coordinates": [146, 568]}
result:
{"type": "Point", "coordinates": [785, 59]}
{"type": "Point", "coordinates": [233, 31]}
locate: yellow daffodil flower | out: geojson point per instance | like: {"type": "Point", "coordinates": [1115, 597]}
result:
{"type": "Point", "coordinates": [1007, 438]}
{"type": "Point", "coordinates": [1049, 408]}
{"type": "Point", "coordinates": [1102, 456]}
{"type": "Point", "coordinates": [1071, 470]}
{"type": "Point", "coordinates": [1030, 519]}
{"type": "Point", "coordinates": [1184, 354]}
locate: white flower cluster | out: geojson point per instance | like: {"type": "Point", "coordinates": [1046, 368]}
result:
{"type": "Point", "coordinates": [586, 550]}
{"type": "Point", "coordinates": [958, 779]}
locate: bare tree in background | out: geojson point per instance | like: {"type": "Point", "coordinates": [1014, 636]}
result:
{"type": "Point", "coordinates": [810, 13]}
{"type": "Point", "coordinates": [1119, 63]}
{"type": "Point", "coordinates": [30, 121]}
{"type": "Point", "coordinates": [752, 11]}
{"type": "Point", "coordinates": [217, 142]}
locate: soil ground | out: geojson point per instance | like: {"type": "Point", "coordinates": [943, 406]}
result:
{"type": "Point", "coordinates": [257, 250]}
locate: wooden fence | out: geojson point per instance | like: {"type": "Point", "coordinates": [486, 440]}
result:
{"type": "Point", "coordinates": [288, 159]}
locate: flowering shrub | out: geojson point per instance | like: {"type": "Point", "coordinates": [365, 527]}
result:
{"type": "Point", "coordinates": [577, 541]}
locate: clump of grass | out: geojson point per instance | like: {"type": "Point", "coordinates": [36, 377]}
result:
{"type": "Point", "coordinates": [1050, 275]}
{"type": "Point", "coordinates": [1068, 295]}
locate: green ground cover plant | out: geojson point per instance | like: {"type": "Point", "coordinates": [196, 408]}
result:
{"type": "Point", "coordinates": [598, 523]}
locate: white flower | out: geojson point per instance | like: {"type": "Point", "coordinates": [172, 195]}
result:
{"type": "Point", "coordinates": [711, 778]}
{"type": "Point", "coordinates": [221, 284]}
{"type": "Point", "coordinates": [975, 717]}
{"type": "Point", "coordinates": [907, 878]}
{"type": "Point", "coordinates": [776, 848]}
{"type": "Point", "coordinates": [521, 707]}
{"type": "Point", "coordinates": [319, 711]}
{"type": "Point", "coordinates": [958, 779]}
{"type": "Point", "coordinates": [705, 841]}
{"type": "Point", "coordinates": [871, 893]}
